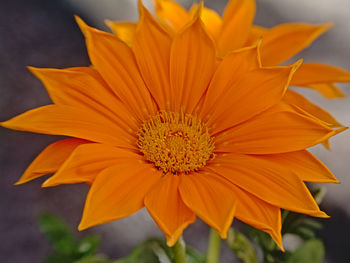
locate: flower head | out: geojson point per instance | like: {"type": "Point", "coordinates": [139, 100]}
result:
{"type": "Point", "coordinates": [167, 125]}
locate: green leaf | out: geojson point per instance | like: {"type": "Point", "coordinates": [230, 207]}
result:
{"type": "Point", "coordinates": [305, 233]}
{"type": "Point", "coordinates": [311, 251]}
{"type": "Point", "coordinates": [318, 194]}
{"type": "Point", "coordinates": [312, 224]}
{"type": "Point", "coordinates": [241, 246]}
{"type": "Point", "coordinates": [58, 234]}
{"type": "Point", "coordinates": [194, 256]}
{"type": "Point", "coordinates": [88, 245]}
{"type": "Point", "coordinates": [148, 252]}
{"type": "Point", "coordinates": [94, 259]}
{"type": "Point", "coordinates": [263, 239]}
{"type": "Point", "coordinates": [156, 251]}
{"type": "Point", "coordinates": [59, 258]}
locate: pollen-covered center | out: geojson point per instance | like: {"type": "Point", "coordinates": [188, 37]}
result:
{"type": "Point", "coordinates": [175, 142]}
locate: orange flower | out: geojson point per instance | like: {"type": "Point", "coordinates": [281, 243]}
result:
{"type": "Point", "coordinates": [236, 30]}
{"type": "Point", "coordinates": [163, 125]}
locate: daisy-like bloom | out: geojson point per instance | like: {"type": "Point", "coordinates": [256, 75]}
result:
{"type": "Point", "coordinates": [163, 124]}
{"type": "Point", "coordinates": [235, 29]}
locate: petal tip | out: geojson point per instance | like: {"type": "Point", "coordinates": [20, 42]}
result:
{"type": "Point", "coordinates": [19, 182]}
{"type": "Point", "coordinates": [82, 227]}
{"type": "Point", "coordinates": [327, 26]}
{"type": "Point", "coordinates": [48, 183]}
{"type": "Point", "coordinates": [5, 124]}
{"type": "Point", "coordinates": [142, 8]}
{"type": "Point", "coordinates": [108, 22]}
{"type": "Point", "coordinates": [297, 65]}
{"type": "Point", "coordinates": [82, 25]}
{"type": "Point", "coordinates": [171, 241]}
{"type": "Point", "coordinates": [320, 214]}
{"type": "Point", "coordinates": [341, 130]}
{"type": "Point", "coordinates": [31, 68]}
{"type": "Point", "coordinates": [35, 71]}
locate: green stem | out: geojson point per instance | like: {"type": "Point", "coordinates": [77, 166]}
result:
{"type": "Point", "coordinates": [214, 247]}
{"type": "Point", "coordinates": [179, 250]}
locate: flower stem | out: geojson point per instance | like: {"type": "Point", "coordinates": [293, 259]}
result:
{"type": "Point", "coordinates": [214, 247]}
{"type": "Point", "coordinates": [179, 250]}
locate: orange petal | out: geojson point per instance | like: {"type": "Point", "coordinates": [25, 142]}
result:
{"type": "Point", "coordinates": [256, 32]}
{"type": "Point", "coordinates": [328, 90]}
{"type": "Point", "coordinates": [230, 70]}
{"type": "Point", "coordinates": [212, 22]}
{"type": "Point", "coordinates": [152, 51]}
{"type": "Point", "coordinates": [259, 214]}
{"type": "Point", "coordinates": [210, 198]}
{"type": "Point", "coordinates": [267, 180]}
{"type": "Point", "coordinates": [237, 21]}
{"type": "Point", "coordinates": [171, 14]}
{"type": "Point", "coordinates": [192, 64]}
{"type": "Point", "coordinates": [87, 161]}
{"type": "Point", "coordinates": [326, 144]}
{"type": "Point", "coordinates": [312, 73]}
{"type": "Point", "coordinates": [301, 102]}
{"type": "Point", "coordinates": [123, 30]}
{"type": "Point", "coordinates": [84, 88]}
{"type": "Point", "coordinates": [274, 131]}
{"type": "Point", "coordinates": [284, 41]}
{"type": "Point", "coordinates": [116, 63]}
{"type": "Point", "coordinates": [255, 92]}
{"type": "Point", "coordinates": [210, 18]}
{"type": "Point", "coordinates": [164, 203]}
{"type": "Point", "coordinates": [50, 159]}
{"type": "Point", "coordinates": [74, 122]}
{"type": "Point", "coordinates": [118, 192]}
{"type": "Point", "coordinates": [305, 165]}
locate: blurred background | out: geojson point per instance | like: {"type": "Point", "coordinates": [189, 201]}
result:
{"type": "Point", "coordinates": [43, 33]}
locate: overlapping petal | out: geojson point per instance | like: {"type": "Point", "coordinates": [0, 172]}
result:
{"type": "Point", "coordinates": [311, 73]}
{"type": "Point", "coordinates": [171, 14]}
{"type": "Point", "coordinates": [267, 180]}
{"type": "Point", "coordinates": [255, 92]}
{"type": "Point", "coordinates": [116, 63]}
{"type": "Point", "coordinates": [276, 130]}
{"type": "Point", "coordinates": [84, 88]}
{"type": "Point", "coordinates": [301, 102]}
{"type": "Point", "coordinates": [284, 41]}
{"type": "Point", "coordinates": [123, 30]}
{"type": "Point", "coordinates": [50, 159]}
{"type": "Point", "coordinates": [162, 196]}
{"type": "Point", "coordinates": [237, 21]}
{"type": "Point", "coordinates": [152, 50]}
{"type": "Point", "coordinates": [210, 198]}
{"type": "Point", "coordinates": [192, 64]}
{"type": "Point", "coordinates": [87, 161]}
{"type": "Point", "coordinates": [229, 71]}
{"type": "Point", "coordinates": [328, 90]}
{"type": "Point", "coordinates": [74, 122]}
{"type": "Point", "coordinates": [211, 20]}
{"type": "Point", "coordinates": [118, 191]}
{"type": "Point", "coordinates": [258, 213]}
{"type": "Point", "coordinates": [303, 164]}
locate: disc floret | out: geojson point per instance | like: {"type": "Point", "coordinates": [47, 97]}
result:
{"type": "Point", "coordinates": [175, 142]}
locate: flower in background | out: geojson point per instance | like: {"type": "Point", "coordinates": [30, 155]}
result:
{"type": "Point", "coordinates": [166, 125]}
{"type": "Point", "coordinates": [235, 29]}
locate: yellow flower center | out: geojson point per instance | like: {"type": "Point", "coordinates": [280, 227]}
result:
{"type": "Point", "coordinates": [175, 142]}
